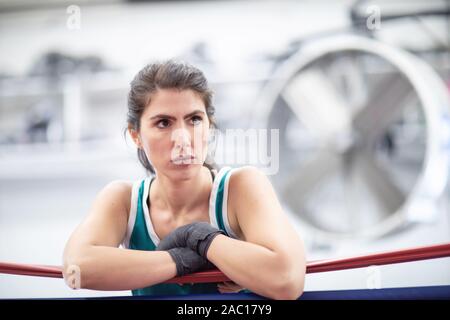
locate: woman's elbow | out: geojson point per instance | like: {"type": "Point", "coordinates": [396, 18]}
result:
{"type": "Point", "coordinates": [289, 290]}
{"type": "Point", "coordinates": [291, 285]}
{"type": "Point", "coordinates": [73, 265]}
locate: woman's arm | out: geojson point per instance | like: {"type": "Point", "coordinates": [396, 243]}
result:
{"type": "Point", "coordinates": [93, 248]}
{"type": "Point", "coordinates": [271, 260]}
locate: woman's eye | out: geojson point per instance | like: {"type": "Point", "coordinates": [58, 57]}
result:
{"type": "Point", "coordinates": [162, 123]}
{"type": "Point", "coordinates": [196, 120]}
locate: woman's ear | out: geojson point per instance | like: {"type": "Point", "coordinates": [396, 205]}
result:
{"type": "Point", "coordinates": [135, 136]}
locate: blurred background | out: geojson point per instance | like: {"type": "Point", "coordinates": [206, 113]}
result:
{"type": "Point", "coordinates": [359, 91]}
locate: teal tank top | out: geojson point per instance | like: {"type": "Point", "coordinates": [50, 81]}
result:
{"type": "Point", "coordinates": [141, 234]}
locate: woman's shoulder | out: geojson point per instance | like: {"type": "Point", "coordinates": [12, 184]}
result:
{"type": "Point", "coordinates": [246, 174]}
{"type": "Point", "coordinates": [118, 190]}
{"type": "Point", "coordinates": [248, 180]}
{"type": "Point", "coordinates": [119, 187]}
{"type": "Point", "coordinates": [243, 180]}
{"type": "Point", "coordinates": [238, 173]}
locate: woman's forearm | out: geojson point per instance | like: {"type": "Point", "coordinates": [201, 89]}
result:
{"type": "Point", "coordinates": [257, 268]}
{"type": "Point", "coordinates": [110, 268]}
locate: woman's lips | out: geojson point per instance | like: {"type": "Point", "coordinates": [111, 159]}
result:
{"type": "Point", "coordinates": [183, 160]}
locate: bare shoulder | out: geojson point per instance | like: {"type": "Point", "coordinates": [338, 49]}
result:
{"type": "Point", "coordinates": [249, 189]}
{"type": "Point", "coordinates": [258, 211]}
{"type": "Point", "coordinates": [117, 192]}
{"type": "Point", "coordinates": [119, 187]}
{"type": "Point", "coordinates": [106, 223]}
{"type": "Point", "coordinates": [248, 179]}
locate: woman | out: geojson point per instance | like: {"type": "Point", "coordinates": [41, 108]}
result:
{"type": "Point", "coordinates": [188, 215]}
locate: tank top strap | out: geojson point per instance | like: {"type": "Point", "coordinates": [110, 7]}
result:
{"type": "Point", "coordinates": [142, 235]}
{"type": "Point", "coordinates": [218, 206]}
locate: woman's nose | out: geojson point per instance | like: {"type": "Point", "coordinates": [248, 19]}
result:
{"type": "Point", "coordinates": [182, 138]}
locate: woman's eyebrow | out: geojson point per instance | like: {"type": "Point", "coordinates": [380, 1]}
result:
{"type": "Point", "coordinates": [166, 116]}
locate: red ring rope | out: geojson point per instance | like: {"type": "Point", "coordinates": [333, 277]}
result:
{"type": "Point", "coordinates": [398, 256]}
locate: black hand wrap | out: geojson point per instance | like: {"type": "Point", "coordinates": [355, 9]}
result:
{"type": "Point", "coordinates": [197, 236]}
{"type": "Point", "coordinates": [188, 261]}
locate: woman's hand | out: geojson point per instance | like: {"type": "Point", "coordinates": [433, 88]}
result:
{"type": "Point", "coordinates": [196, 236]}
{"type": "Point", "coordinates": [229, 287]}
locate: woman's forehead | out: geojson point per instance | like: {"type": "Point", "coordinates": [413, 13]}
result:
{"type": "Point", "coordinates": [175, 101]}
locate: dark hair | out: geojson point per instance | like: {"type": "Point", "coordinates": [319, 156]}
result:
{"type": "Point", "coordinates": [169, 74]}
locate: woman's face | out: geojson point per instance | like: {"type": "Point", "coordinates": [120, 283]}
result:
{"type": "Point", "coordinates": [174, 131]}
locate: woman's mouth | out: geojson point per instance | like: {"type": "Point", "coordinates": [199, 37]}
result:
{"type": "Point", "coordinates": [183, 160]}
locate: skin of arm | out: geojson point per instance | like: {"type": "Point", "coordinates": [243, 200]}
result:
{"type": "Point", "coordinates": [93, 248]}
{"type": "Point", "coordinates": [271, 260]}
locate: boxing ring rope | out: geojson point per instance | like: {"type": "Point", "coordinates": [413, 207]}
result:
{"type": "Point", "coordinates": [360, 261]}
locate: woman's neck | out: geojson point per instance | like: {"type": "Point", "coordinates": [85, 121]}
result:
{"type": "Point", "coordinates": [182, 197]}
